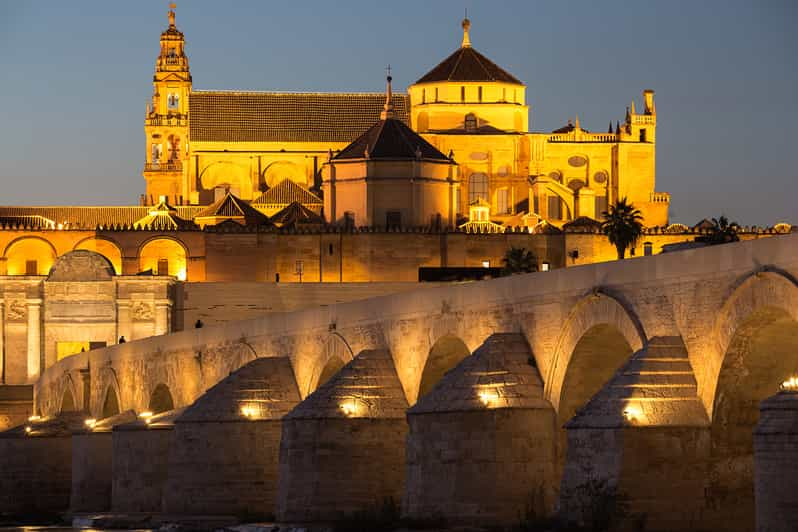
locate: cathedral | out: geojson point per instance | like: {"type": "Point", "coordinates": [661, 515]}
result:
{"type": "Point", "coordinates": [458, 137]}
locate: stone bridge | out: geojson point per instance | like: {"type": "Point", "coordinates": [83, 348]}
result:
{"type": "Point", "coordinates": [684, 340]}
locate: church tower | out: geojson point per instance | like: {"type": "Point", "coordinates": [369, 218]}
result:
{"type": "Point", "coordinates": [166, 122]}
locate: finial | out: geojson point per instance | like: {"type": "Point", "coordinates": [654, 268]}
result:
{"type": "Point", "coordinates": [632, 107]}
{"type": "Point", "coordinates": [172, 7]}
{"type": "Point", "coordinates": [576, 122]}
{"type": "Point", "coordinates": [466, 27]}
{"type": "Point", "coordinates": [387, 109]}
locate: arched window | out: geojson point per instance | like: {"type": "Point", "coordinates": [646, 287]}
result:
{"type": "Point", "coordinates": [477, 187]}
{"type": "Point", "coordinates": [470, 122]}
{"type": "Point", "coordinates": [480, 94]}
{"type": "Point", "coordinates": [172, 100]}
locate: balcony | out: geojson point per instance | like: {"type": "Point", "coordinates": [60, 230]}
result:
{"type": "Point", "coordinates": [168, 120]}
{"type": "Point", "coordinates": [164, 166]}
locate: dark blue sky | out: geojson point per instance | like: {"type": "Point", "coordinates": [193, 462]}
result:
{"type": "Point", "coordinates": [75, 77]}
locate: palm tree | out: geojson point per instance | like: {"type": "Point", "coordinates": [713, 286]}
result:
{"type": "Point", "coordinates": [722, 231]}
{"type": "Point", "coordinates": [518, 260]}
{"type": "Point", "coordinates": [623, 225]}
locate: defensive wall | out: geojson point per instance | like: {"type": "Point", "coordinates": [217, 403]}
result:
{"type": "Point", "coordinates": [675, 351]}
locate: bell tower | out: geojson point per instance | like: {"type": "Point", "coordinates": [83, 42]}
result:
{"type": "Point", "coordinates": [166, 121]}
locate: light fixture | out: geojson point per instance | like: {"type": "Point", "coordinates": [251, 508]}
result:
{"type": "Point", "coordinates": [486, 264]}
{"type": "Point", "coordinates": [28, 430]}
{"type": "Point", "coordinates": [790, 384]}
{"type": "Point", "coordinates": [145, 415]}
{"type": "Point", "coordinates": [349, 408]}
{"type": "Point", "coordinates": [488, 397]}
{"type": "Point", "coordinates": [631, 413]}
{"type": "Point", "coordinates": [90, 422]}
{"type": "Point", "coordinates": [33, 419]}
{"type": "Point", "coordinates": [544, 267]}
{"type": "Point", "coordinates": [249, 411]}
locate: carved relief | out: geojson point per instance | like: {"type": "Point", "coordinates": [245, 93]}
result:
{"type": "Point", "coordinates": [17, 310]}
{"type": "Point", "coordinates": [141, 311]}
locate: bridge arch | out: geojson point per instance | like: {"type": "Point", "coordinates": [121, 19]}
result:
{"type": "Point", "coordinates": [161, 399]}
{"type": "Point", "coordinates": [68, 395]}
{"type": "Point", "coordinates": [111, 397]}
{"type": "Point", "coordinates": [336, 353]}
{"type": "Point", "coordinates": [601, 315]}
{"type": "Point", "coordinates": [756, 336]}
{"type": "Point", "coordinates": [446, 353]}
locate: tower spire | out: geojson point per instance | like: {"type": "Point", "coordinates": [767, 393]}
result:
{"type": "Point", "coordinates": [387, 109]}
{"type": "Point", "coordinates": [466, 28]}
{"type": "Point", "coordinates": [172, 7]}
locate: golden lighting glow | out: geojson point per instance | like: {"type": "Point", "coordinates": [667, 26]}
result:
{"type": "Point", "coordinates": [790, 384]}
{"type": "Point", "coordinates": [28, 430]}
{"type": "Point", "coordinates": [488, 397]}
{"type": "Point", "coordinates": [249, 411]}
{"type": "Point", "coordinates": [146, 415]}
{"type": "Point", "coordinates": [33, 419]}
{"type": "Point", "coordinates": [91, 422]}
{"type": "Point", "coordinates": [632, 413]}
{"type": "Point", "coordinates": [349, 408]}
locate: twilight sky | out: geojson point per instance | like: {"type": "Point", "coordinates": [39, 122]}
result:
{"type": "Point", "coordinates": [75, 77]}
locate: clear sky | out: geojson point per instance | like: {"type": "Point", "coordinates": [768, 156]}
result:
{"type": "Point", "coordinates": [75, 78]}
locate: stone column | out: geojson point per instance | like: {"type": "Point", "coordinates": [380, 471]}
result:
{"type": "Point", "coordinates": [775, 464]}
{"type": "Point", "coordinates": [34, 339]}
{"type": "Point", "coordinates": [163, 317]}
{"type": "Point", "coordinates": [124, 324]}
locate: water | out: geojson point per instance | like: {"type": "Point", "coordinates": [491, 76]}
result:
{"type": "Point", "coordinates": [63, 529]}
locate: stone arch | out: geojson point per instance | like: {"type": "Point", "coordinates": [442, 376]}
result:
{"type": "Point", "coordinates": [106, 247]}
{"type": "Point", "coordinates": [279, 171]}
{"type": "Point", "coordinates": [758, 290]}
{"type": "Point", "coordinates": [159, 248]}
{"type": "Point", "coordinates": [227, 174]}
{"type": "Point", "coordinates": [21, 250]}
{"type": "Point", "coordinates": [110, 403]}
{"type": "Point", "coordinates": [757, 341]}
{"type": "Point", "coordinates": [444, 354]}
{"type": "Point", "coordinates": [597, 309]}
{"type": "Point", "coordinates": [161, 399]}
{"type": "Point", "coordinates": [112, 395]}
{"type": "Point", "coordinates": [68, 396]}
{"type": "Point", "coordinates": [335, 355]}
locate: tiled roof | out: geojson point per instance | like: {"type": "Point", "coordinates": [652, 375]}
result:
{"type": "Point", "coordinates": [390, 139]}
{"type": "Point", "coordinates": [466, 64]}
{"type": "Point", "coordinates": [162, 217]}
{"type": "Point", "coordinates": [231, 206]}
{"type": "Point", "coordinates": [286, 117]}
{"type": "Point", "coordinates": [286, 192]}
{"type": "Point", "coordinates": [296, 214]}
{"type": "Point", "coordinates": [91, 217]}
{"type": "Point", "coordinates": [33, 221]}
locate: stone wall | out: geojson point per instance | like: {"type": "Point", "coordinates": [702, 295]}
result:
{"type": "Point", "coordinates": [36, 465]}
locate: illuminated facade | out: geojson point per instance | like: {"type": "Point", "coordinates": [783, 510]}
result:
{"type": "Point", "coordinates": [201, 143]}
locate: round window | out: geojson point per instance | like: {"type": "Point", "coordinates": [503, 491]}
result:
{"type": "Point", "coordinates": [600, 177]}
{"type": "Point", "coordinates": [577, 161]}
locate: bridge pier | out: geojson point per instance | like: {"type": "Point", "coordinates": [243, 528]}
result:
{"type": "Point", "coordinates": [36, 465]}
{"type": "Point", "coordinates": [638, 451]}
{"type": "Point", "coordinates": [225, 452]}
{"type": "Point", "coordinates": [141, 463]}
{"type": "Point", "coordinates": [92, 464]}
{"type": "Point", "coordinates": [343, 448]}
{"type": "Point", "coordinates": [775, 463]}
{"type": "Point", "coordinates": [481, 446]}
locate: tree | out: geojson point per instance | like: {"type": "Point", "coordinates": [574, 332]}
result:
{"type": "Point", "coordinates": [623, 225]}
{"type": "Point", "coordinates": [722, 231]}
{"type": "Point", "coordinates": [518, 260]}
